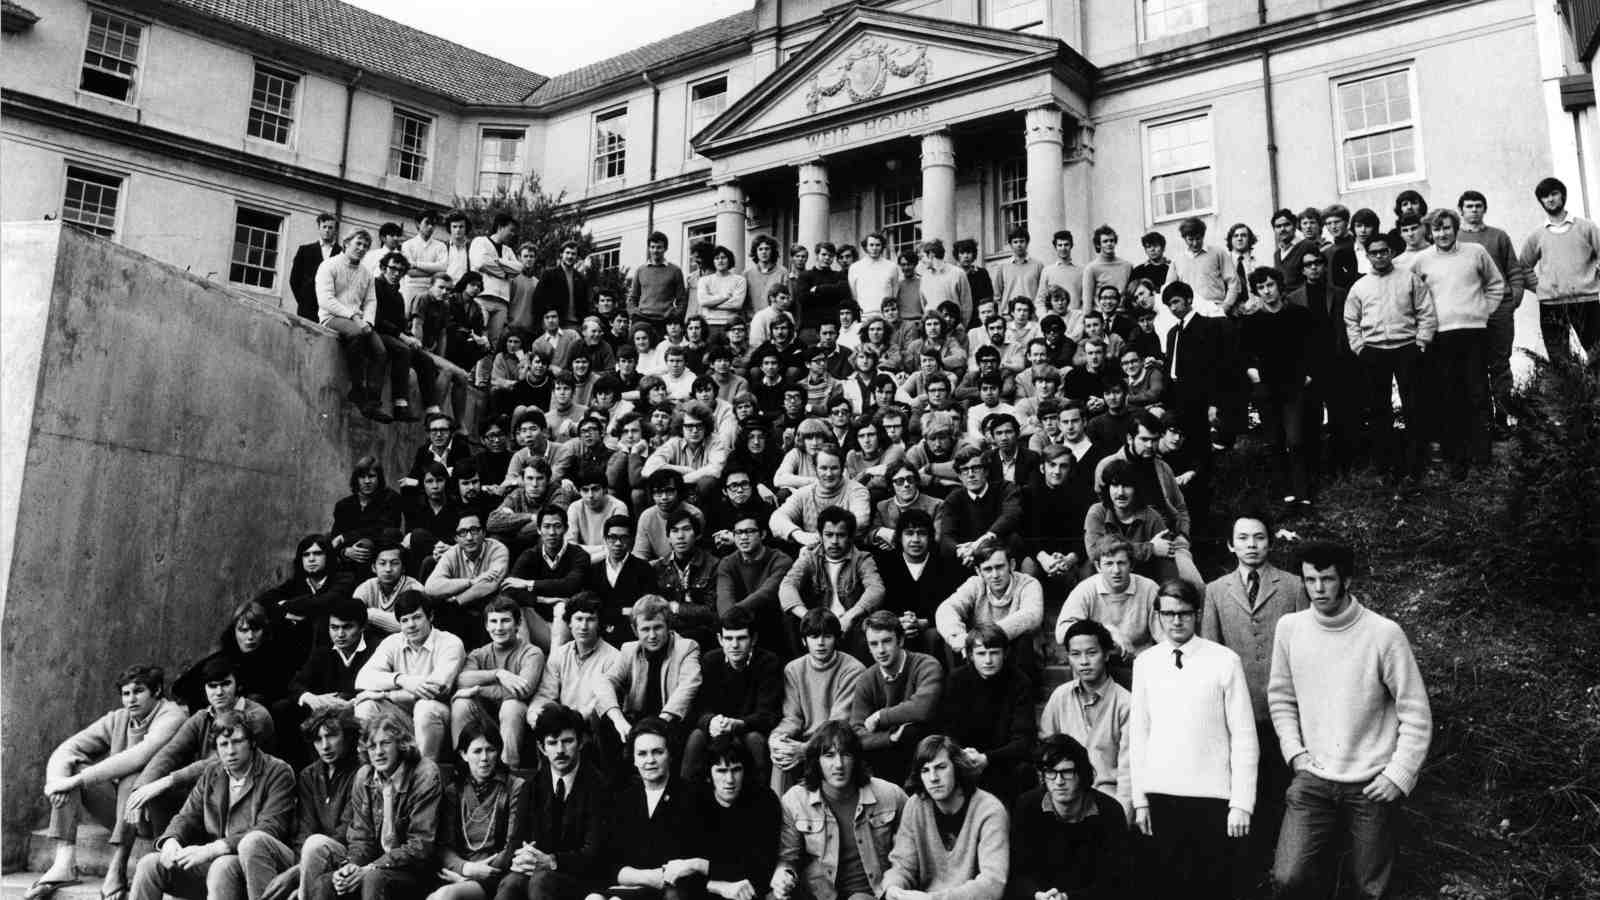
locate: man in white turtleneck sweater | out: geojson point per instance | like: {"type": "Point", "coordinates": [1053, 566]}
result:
{"type": "Point", "coordinates": [1352, 716]}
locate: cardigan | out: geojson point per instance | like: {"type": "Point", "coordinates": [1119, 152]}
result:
{"type": "Point", "coordinates": [975, 868]}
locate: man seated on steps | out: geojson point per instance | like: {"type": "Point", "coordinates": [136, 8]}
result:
{"type": "Point", "coordinates": [94, 771]}
{"type": "Point", "coordinates": [164, 783]}
{"type": "Point", "coordinates": [246, 791]}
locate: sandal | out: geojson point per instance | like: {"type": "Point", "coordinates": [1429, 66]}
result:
{"type": "Point", "coordinates": [41, 888]}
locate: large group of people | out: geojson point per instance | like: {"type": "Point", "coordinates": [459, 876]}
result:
{"type": "Point", "coordinates": [749, 583]}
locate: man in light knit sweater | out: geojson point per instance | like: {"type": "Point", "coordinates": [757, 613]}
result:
{"type": "Point", "coordinates": [1193, 752]}
{"type": "Point", "coordinates": [799, 518]}
{"type": "Point", "coordinates": [874, 277]}
{"type": "Point", "coordinates": [1020, 275]}
{"type": "Point", "coordinates": [656, 289]}
{"type": "Point", "coordinates": [1389, 320]}
{"type": "Point", "coordinates": [1466, 288]}
{"type": "Point", "coordinates": [1502, 326]}
{"type": "Point", "coordinates": [576, 667]}
{"type": "Point", "coordinates": [1352, 717]}
{"type": "Point", "coordinates": [1561, 262]}
{"type": "Point", "coordinates": [819, 687]}
{"type": "Point", "coordinates": [343, 287]}
{"type": "Point", "coordinates": [996, 595]}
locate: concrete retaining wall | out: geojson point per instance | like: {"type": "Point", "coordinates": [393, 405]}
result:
{"type": "Point", "coordinates": [165, 444]}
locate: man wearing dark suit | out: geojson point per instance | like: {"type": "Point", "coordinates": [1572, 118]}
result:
{"type": "Point", "coordinates": [560, 860]}
{"type": "Point", "coordinates": [303, 274]}
{"type": "Point", "coordinates": [328, 676]}
{"type": "Point", "coordinates": [1012, 462]}
{"type": "Point", "coordinates": [1335, 377]}
{"type": "Point", "coordinates": [563, 288]}
{"type": "Point", "coordinates": [914, 597]}
{"type": "Point", "coordinates": [1197, 371]}
{"type": "Point", "coordinates": [618, 579]}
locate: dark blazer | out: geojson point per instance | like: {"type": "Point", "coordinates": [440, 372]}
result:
{"type": "Point", "coordinates": [551, 293]}
{"type": "Point", "coordinates": [646, 842]}
{"type": "Point", "coordinates": [303, 278]}
{"type": "Point", "coordinates": [1330, 343]}
{"type": "Point", "coordinates": [902, 593]}
{"type": "Point", "coordinates": [636, 580]}
{"type": "Point", "coordinates": [1201, 362]}
{"type": "Point", "coordinates": [575, 840]}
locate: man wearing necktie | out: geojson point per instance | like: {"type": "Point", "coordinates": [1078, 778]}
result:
{"type": "Point", "coordinates": [558, 860]}
{"type": "Point", "coordinates": [1197, 372]}
{"type": "Point", "coordinates": [1193, 753]}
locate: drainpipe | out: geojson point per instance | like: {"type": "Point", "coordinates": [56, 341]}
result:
{"type": "Point", "coordinates": [655, 135]}
{"type": "Point", "coordinates": [1266, 98]}
{"type": "Point", "coordinates": [344, 143]}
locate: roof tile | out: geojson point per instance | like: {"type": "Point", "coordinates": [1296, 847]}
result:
{"type": "Point", "coordinates": [633, 62]}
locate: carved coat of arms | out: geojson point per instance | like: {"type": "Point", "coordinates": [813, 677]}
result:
{"type": "Point", "coordinates": [866, 69]}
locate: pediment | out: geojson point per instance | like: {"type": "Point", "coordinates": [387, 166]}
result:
{"type": "Point", "coordinates": [868, 55]}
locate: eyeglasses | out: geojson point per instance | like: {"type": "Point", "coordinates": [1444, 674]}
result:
{"type": "Point", "coordinates": [1058, 774]}
{"type": "Point", "coordinates": [736, 485]}
{"type": "Point", "coordinates": [746, 532]}
{"type": "Point", "coordinates": [1313, 262]}
{"type": "Point", "coordinates": [470, 529]}
{"type": "Point", "coordinates": [688, 425]}
{"type": "Point", "coordinates": [903, 479]}
{"type": "Point", "coordinates": [438, 431]}
{"type": "Point", "coordinates": [1177, 615]}
{"type": "Point", "coordinates": [615, 538]}
{"type": "Point", "coordinates": [973, 469]}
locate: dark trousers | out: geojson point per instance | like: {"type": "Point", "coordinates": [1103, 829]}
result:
{"type": "Point", "coordinates": [543, 885]}
{"type": "Point", "coordinates": [1460, 394]}
{"type": "Point", "coordinates": [1318, 814]}
{"type": "Point", "coordinates": [892, 762]}
{"type": "Point", "coordinates": [1558, 321]}
{"type": "Point", "coordinates": [1398, 454]}
{"type": "Point", "coordinates": [1272, 780]}
{"type": "Point", "coordinates": [1337, 391]}
{"type": "Point", "coordinates": [1193, 856]}
{"type": "Point", "coordinates": [376, 884]}
{"type": "Point", "coordinates": [1497, 360]}
{"type": "Point", "coordinates": [698, 746]}
{"type": "Point", "coordinates": [1283, 428]}
{"type": "Point", "coordinates": [365, 355]}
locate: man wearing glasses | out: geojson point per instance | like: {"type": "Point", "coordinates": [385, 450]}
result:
{"type": "Point", "coordinates": [1332, 368]}
{"type": "Point", "coordinates": [691, 454]}
{"type": "Point", "coordinates": [979, 510]}
{"type": "Point", "coordinates": [465, 579]}
{"type": "Point", "coordinates": [1390, 320]}
{"type": "Point", "coordinates": [1193, 752]}
{"type": "Point", "coordinates": [387, 311]}
{"type": "Point", "coordinates": [749, 579]}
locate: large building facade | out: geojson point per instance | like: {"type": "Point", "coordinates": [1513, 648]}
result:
{"type": "Point", "coordinates": [209, 133]}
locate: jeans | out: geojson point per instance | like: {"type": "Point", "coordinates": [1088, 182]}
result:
{"type": "Point", "coordinates": [505, 716]}
{"type": "Point", "coordinates": [264, 858]}
{"type": "Point", "coordinates": [1558, 321]}
{"type": "Point", "coordinates": [1398, 454]}
{"type": "Point", "coordinates": [223, 879]}
{"type": "Point", "coordinates": [1497, 359]}
{"type": "Point", "coordinates": [364, 353]}
{"type": "Point", "coordinates": [1316, 811]}
{"type": "Point", "coordinates": [1460, 394]}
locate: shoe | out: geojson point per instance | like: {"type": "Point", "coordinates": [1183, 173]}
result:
{"type": "Point", "coordinates": [375, 412]}
{"type": "Point", "coordinates": [403, 413]}
{"type": "Point", "coordinates": [1289, 498]}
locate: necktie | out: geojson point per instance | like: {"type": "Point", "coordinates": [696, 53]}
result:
{"type": "Point", "coordinates": [1239, 273]}
{"type": "Point", "coordinates": [560, 806]}
{"type": "Point", "coordinates": [1254, 589]}
{"type": "Point", "coordinates": [1177, 657]}
{"type": "Point", "coordinates": [1177, 335]}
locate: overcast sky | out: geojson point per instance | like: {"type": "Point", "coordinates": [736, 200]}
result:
{"type": "Point", "coordinates": [553, 36]}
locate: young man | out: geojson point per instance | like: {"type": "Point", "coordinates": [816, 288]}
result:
{"type": "Point", "coordinates": [819, 687]}
{"type": "Point", "coordinates": [996, 595]}
{"type": "Point", "coordinates": [916, 577]}
{"type": "Point", "coordinates": [1207, 271]}
{"type": "Point", "coordinates": [655, 676]}
{"type": "Point", "coordinates": [494, 256]}
{"type": "Point", "coordinates": [987, 706]}
{"type": "Point", "coordinates": [1093, 710]}
{"type": "Point", "coordinates": [1155, 267]}
{"type": "Point", "coordinates": [656, 288]}
{"type": "Point", "coordinates": [1053, 511]}
{"type": "Point", "coordinates": [386, 310]}
{"type": "Point", "coordinates": [749, 578]}
{"type": "Point", "coordinates": [798, 519]}
{"type": "Point", "coordinates": [246, 791]}
{"type": "Point", "coordinates": [1241, 612]}
{"type": "Point", "coordinates": [560, 860]}
{"type": "Point", "coordinates": [618, 579]}
{"type": "Point", "coordinates": [1062, 273]}
{"type": "Point", "coordinates": [941, 283]}
{"type": "Point", "coordinates": [834, 574]}
{"type": "Point", "coordinates": [413, 671]}
{"type": "Point", "coordinates": [1193, 752]}
{"type": "Point", "coordinates": [1107, 269]}
{"type": "Point", "coordinates": [979, 509]}
{"type": "Point", "coordinates": [686, 577]}
{"type": "Point", "coordinates": [563, 287]}
{"type": "Point", "coordinates": [1467, 289]}
{"type": "Point", "coordinates": [587, 515]}
{"type": "Point", "coordinates": [394, 823]}
{"type": "Point", "coordinates": [1334, 388]}
{"type": "Point", "coordinates": [465, 578]}
{"type": "Point", "coordinates": [740, 698]}
{"type": "Point", "coordinates": [179, 762]}
{"type": "Point", "coordinates": [1197, 362]}
{"type": "Point", "coordinates": [497, 681]}
{"type": "Point", "coordinates": [576, 666]}
{"type": "Point", "coordinates": [327, 679]}
{"type": "Point", "coordinates": [322, 789]}
{"type": "Point", "coordinates": [458, 262]}
{"type": "Point", "coordinates": [874, 276]}
{"type": "Point", "coordinates": [1353, 720]}
{"type": "Point", "coordinates": [1390, 321]}
{"type": "Point", "coordinates": [307, 257]}
{"type": "Point", "coordinates": [1118, 599]}
{"type": "Point", "coordinates": [514, 524]}
{"type": "Point", "coordinates": [1473, 205]}
{"type": "Point", "coordinates": [896, 698]}
{"type": "Point", "coordinates": [94, 771]}
{"type": "Point", "coordinates": [342, 287]}
{"type": "Point", "coordinates": [389, 580]}
{"type": "Point", "coordinates": [544, 577]}
{"type": "Point", "coordinates": [1276, 343]}
{"type": "Point", "coordinates": [1111, 426]}
{"type": "Point", "coordinates": [1068, 838]}
{"type": "Point", "coordinates": [1019, 275]}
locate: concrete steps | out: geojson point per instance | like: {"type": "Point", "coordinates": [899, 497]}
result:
{"type": "Point", "coordinates": [94, 853]}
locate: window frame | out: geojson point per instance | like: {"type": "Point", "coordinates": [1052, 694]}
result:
{"type": "Point", "coordinates": [892, 245]}
{"type": "Point", "coordinates": [690, 128]}
{"type": "Point", "coordinates": [282, 74]}
{"type": "Point", "coordinates": [605, 247]}
{"type": "Point", "coordinates": [138, 62]}
{"type": "Point", "coordinates": [278, 252]}
{"type": "Point", "coordinates": [707, 227]}
{"type": "Point", "coordinates": [117, 212]}
{"type": "Point", "coordinates": [519, 177]}
{"type": "Point", "coordinates": [1037, 26]}
{"type": "Point", "coordinates": [1145, 33]}
{"type": "Point", "coordinates": [1151, 172]}
{"type": "Point", "coordinates": [395, 165]}
{"type": "Point", "coordinates": [600, 158]}
{"type": "Point", "coordinates": [1342, 135]}
{"type": "Point", "coordinates": [1001, 204]}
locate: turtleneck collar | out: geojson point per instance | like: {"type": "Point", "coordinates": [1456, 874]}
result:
{"type": "Point", "coordinates": [1341, 621]}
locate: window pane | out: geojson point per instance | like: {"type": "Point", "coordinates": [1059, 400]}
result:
{"type": "Point", "coordinates": [110, 56]}
{"type": "Point", "coordinates": [900, 216]}
{"type": "Point", "coordinates": [255, 249]}
{"type": "Point", "coordinates": [500, 164]}
{"type": "Point", "coordinates": [1168, 17]}
{"type": "Point", "coordinates": [272, 105]}
{"type": "Point", "coordinates": [610, 144]}
{"type": "Point", "coordinates": [90, 203]}
{"type": "Point", "coordinates": [408, 145]}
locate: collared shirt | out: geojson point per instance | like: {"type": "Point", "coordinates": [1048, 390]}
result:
{"type": "Point", "coordinates": [614, 570]}
{"type": "Point", "coordinates": [652, 798]}
{"type": "Point", "coordinates": [361, 647]}
{"type": "Point", "coordinates": [1563, 226]}
{"type": "Point", "coordinates": [1080, 810]}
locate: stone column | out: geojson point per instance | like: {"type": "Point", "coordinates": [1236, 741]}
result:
{"type": "Point", "coordinates": [731, 220]}
{"type": "Point", "coordinates": [939, 187]}
{"type": "Point", "coordinates": [813, 208]}
{"type": "Point", "coordinates": [1046, 204]}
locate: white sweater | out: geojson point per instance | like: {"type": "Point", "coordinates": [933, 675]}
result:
{"type": "Point", "coordinates": [1192, 732]}
{"type": "Point", "coordinates": [1347, 690]}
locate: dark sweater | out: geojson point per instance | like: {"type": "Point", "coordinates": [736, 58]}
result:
{"type": "Point", "coordinates": [963, 518]}
{"type": "Point", "coordinates": [741, 840]}
{"type": "Point", "coordinates": [754, 695]}
{"type": "Point", "coordinates": [636, 838]}
{"type": "Point", "coordinates": [1052, 518]}
{"type": "Point", "coordinates": [1086, 859]}
{"type": "Point", "coordinates": [325, 672]}
{"type": "Point", "coordinates": [563, 579]}
{"type": "Point", "coordinates": [994, 716]}
{"type": "Point", "coordinates": [636, 580]}
{"type": "Point", "coordinates": [819, 293]}
{"type": "Point", "coordinates": [903, 593]}
{"type": "Point", "coordinates": [1279, 345]}
{"type": "Point", "coordinates": [353, 522]}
